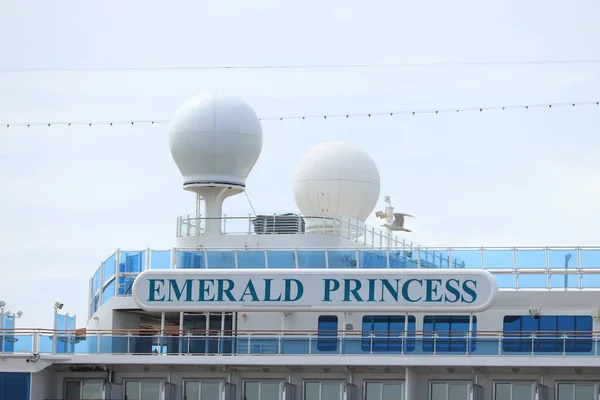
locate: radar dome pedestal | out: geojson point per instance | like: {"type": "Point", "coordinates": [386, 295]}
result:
{"type": "Point", "coordinates": [215, 140]}
{"type": "Point", "coordinates": [336, 179]}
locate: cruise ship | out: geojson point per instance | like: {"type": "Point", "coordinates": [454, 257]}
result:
{"type": "Point", "coordinates": [331, 301]}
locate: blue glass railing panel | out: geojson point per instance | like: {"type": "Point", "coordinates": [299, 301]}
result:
{"type": "Point", "coordinates": [559, 258]}
{"type": "Point", "coordinates": [216, 259]}
{"type": "Point", "coordinates": [402, 259]}
{"type": "Point", "coordinates": [434, 259]}
{"type": "Point", "coordinates": [466, 259]}
{"type": "Point", "coordinates": [564, 281]}
{"type": "Point", "coordinates": [495, 259]}
{"type": "Point", "coordinates": [373, 259]}
{"type": "Point", "coordinates": [535, 259]}
{"type": "Point", "coordinates": [96, 281]}
{"type": "Point", "coordinates": [132, 262]}
{"type": "Point", "coordinates": [160, 259]}
{"type": "Point", "coordinates": [16, 343]}
{"type": "Point", "coordinates": [533, 281]}
{"type": "Point", "coordinates": [341, 258]}
{"type": "Point", "coordinates": [505, 281]}
{"type": "Point", "coordinates": [108, 291]}
{"type": "Point", "coordinates": [589, 258]}
{"type": "Point", "coordinates": [191, 259]}
{"type": "Point", "coordinates": [251, 259]}
{"type": "Point", "coordinates": [281, 259]}
{"type": "Point", "coordinates": [109, 268]}
{"type": "Point", "coordinates": [588, 281]}
{"type": "Point", "coordinates": [311, 259]}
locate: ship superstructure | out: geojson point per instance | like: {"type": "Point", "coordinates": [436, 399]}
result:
{"type": "Point", "coordinates": [313, 304]}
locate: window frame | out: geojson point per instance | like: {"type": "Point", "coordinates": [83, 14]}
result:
{"type": "Point", "coordinates": [403, 343]}
{"type": "Point", "coordinates": [454, 342]}
{"type": "Point", "coordinates": [281, 383]}
{"type": "Point", "coordinates": [185, 381]}
{"type": "Point", "coordinates": [383, 381]}
{"type": "Point", "coordinates": [469, 384]}
{"type": "Point", "coordinates": [341, 382]}
{"type": "Point", "coordinates": [162, 385]}
{"type": "Point", "coordinates": [82, 380]}
{"type": "Point", "coordinates": [512, 382]}
{"type": "Point", "coordinates": [595, 384]}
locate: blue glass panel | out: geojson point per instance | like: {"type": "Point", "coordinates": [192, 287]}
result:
{"type": "Point", "coordinates": [281, 259]}
{"type": "Point", "coordinates": [125, 285]}
{"type": "Point", "coordinates": [341, 258]}
{"type": "Point", "coordinates": [564, 281]}
{"type": "Point", "coordinates": [383, 333]}
{"type": "Point", "coordinates": [21, 343]}
{"type": "Point", "coordinates": [108, 291]}
{"type": "Point", "coordinates": [132, 262]}
{"type": "Point", "coordinates": [498, 258]}
{"type": "Point", "coordinates": [533, 281]}
{"type": "Point", "coordinates": [559, 258]}
{"type": "Point", "coordinates": [220, 259]}
{"type": "Point", "coordinates": [109, 268]}
{"type": "Point", "coordinates": [466, 259]}
{"type": "Point", "coordinates": [505, 281]}
{"type": "Point", "coordinates": [190, 259]}
{"type": "Point", "coordinates": [14, 385]}
{"type": "Point", "coordinates": [311, 259]}
{"type": "Point", "coordinates": [434, 258]}
{"type": "Point", "coordinates": [531, 259]}
{"type": "Point", "coordinates": [588, 281]}
{"type": "Point", "coordinates": [589, 258]}
{"type": "Point", "coordinates": [402, 259]}
{"type": "Point", "coordinates": [96, 281]}
{"type": "Point", "coordinates": [160, 259]}
{"type": "Point", "coordinates": [327, 333]}
{"type": "Point", "coordinates": [95, 304]}
{"type": "Point", "coordinates": [372, 259]}
{"type": "Point", "coordinates": [450, 331]}
{"type": "Point", "coordinates": [251, 259]}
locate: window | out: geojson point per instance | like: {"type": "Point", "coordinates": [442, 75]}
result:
{"type": "Point", "coordinates": [143, 390]}
{"type": "Point", "coordinates": [327, 333]}
{"type": "Point", "coordinates": [449, 391]}
{"type": "Point", "coordinates": [392, 390]}
{"type": "Point", "coordinates": [263, 390]}
{"type": "Point", "coordinates": [84, 390]}
{"type": "Point", "coordinates": [576, 391]}
{"type": "Point", "coordinates": [202, 390]}
{"type": "Point", "coordinates": [448, 332]}
{"type": "Point", "coordinates": [14, 385]}
{"type": "Point", "coordinates": [513, 391]}
{"type": "Point", "coordinates": [323, 390]}
{"type": "Point", "coordinates": [553, 334]}
{"type": "Point", "coordinates": [383, 333]}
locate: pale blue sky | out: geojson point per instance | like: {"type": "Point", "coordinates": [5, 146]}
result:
{"type": "Point", "coordinates": [73, 195]}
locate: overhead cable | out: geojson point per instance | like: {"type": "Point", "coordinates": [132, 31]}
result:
{"type": "Point", "coordinates": [432, 111]}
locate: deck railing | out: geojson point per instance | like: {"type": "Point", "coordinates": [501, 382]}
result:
{"type": "Point", "coordinates": [299, 343]}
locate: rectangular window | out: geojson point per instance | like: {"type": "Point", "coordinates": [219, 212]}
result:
{"type": "Point", "coordinates": [143, 390]}
{"type": "Point", "coordinates": [327, 333]}
{"type": "Point", "coordinates": [576, 391]}
{"type": "Point", "coordinates": [84, 390]}
{"type": "Point", "coordinates": [553, 334]}
{"type": "Point", "coordinates": [327, 390]}
{"type": "Point", "coordinates": [202, 390]}
{"type": "Point", "coordinates": [392, 390]}
{"type": "Point", "coordinates": [449, 391]}
{"type": "Point", "coordinates": [385, 333]}
{"type": "Point", "coordinates": [514, 391]}
{"type": "Point", "coordinates": [263, 390]}
{"type": "Point", "coordinates": [449, 333]}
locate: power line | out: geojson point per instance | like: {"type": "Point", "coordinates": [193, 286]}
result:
{"type": "Point", "coordinates": [302, 66]}
{"type": "Point", "coordinates": [433, 111]}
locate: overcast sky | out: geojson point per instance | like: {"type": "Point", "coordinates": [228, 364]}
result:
{"type": "Point", "coordinates": [71, 196]}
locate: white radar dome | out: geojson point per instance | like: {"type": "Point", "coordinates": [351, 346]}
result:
{"type": "Point", "coordinates": [337, 179]}
{"type": "Point", "coordinates": [215, 140]}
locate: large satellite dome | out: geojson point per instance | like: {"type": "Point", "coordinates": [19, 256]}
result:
{"type": "Point", "coordinates": [336, 179]}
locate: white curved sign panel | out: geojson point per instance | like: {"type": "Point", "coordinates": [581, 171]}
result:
{"type": "Point", "coordinates": [408, 290]}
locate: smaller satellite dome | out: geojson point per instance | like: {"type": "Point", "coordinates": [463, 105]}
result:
{"type": "Point", "coordinates": [215, 140]}
{"type": "Point", "coordinates": [337, 179]}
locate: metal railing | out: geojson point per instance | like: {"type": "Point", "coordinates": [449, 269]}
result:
{"type": "Point", "coordinates": [299, 343]}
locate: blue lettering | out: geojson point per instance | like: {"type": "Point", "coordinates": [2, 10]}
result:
{"type": "Point", "coordinates": [154, 289]}
{"type": "Point", "coordinates": [352, 291]}
{"type": "Point", "coordinates": [331, 285]}
{"type": "Point", "coordinates": [405, 290]}
{"type": "Point", "coordinates": [268, 291]}
{"type": "Point", "coordinates": [204, 289]}
{"type": "Point", "coordinates": [174, 289]}
{"type": "Point", "coordinates": [249, 291]}
{"type": "Point", "coordinates": [432, 290]}
{"type": "Point", "coordinates": [225, 291]}
{"type": "Point", "coordinates": [470, 290]}
{"type": "Point", "coordinates": [452, 287]}
{"type": "Point", "coordinates": [372, 289]}
{"type": "Point", "coordinates": [390, 289]}
{"type": "Point", "coordinates": [288, 289]}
